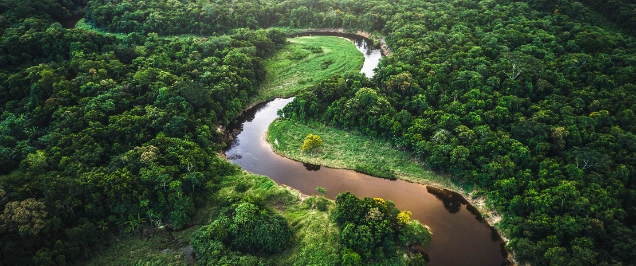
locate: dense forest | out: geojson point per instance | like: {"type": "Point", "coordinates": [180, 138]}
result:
{"type": "Point", "coordinates": [531, 104]}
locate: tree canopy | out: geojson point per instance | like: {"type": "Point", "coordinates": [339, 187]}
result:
{"type": "Point", "coordinates": [530, 102]}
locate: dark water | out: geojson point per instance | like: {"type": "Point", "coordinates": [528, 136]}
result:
{"type": "Point", "coordinates": [460, 236]}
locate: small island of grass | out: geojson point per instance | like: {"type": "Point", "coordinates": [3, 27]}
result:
{"type": "Point", "coordinates": [304, 62]}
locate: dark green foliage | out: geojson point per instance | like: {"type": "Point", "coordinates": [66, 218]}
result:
{"type": "Point", "coordinates": [532, 105]}
{"type": "Point", "coordinates": [376, 170]}
{"type": "Point", "coordinates": [245, 228]}
{"type": "Point", "coordinates": [369, 230]}
{"type": "Point", "coordinates": [112, 134]}
{"type": "Point", "coordinates": [218, 17]}
{"type": "Point", "coordinates": [325, 64]}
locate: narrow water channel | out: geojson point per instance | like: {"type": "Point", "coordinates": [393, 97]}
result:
{"type": "Point", "coordinates": [460, 237]}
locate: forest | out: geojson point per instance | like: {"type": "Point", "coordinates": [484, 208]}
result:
{"type": "Point", "coordinates": [113, 127]}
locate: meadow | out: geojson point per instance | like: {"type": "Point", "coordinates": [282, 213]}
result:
{"type": "Point", "coordinates": [304, 62]}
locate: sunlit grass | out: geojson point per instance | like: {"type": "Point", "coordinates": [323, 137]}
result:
{"type": "Point", "coordinates": [304, 62]}
{"type": "Point", "coordinates": [342, 149]}
{"type": "Point", "coordinates": [316, 237]}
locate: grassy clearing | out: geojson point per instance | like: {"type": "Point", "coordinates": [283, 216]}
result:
{"type": "Point", "coordinates": [342, 149]}
{"type": "Point", "coordinates": [304, 62]}
{"type": "Point", "coordinates": [316, 236]}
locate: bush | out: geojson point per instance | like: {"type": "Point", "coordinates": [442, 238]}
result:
{"type": "Point", "coordinates": [312, 142]}
{"type": "Point", "coordinates": [245, 228]}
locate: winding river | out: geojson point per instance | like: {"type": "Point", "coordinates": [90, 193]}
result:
{"type": "Point", "coordinates": [460, 236]}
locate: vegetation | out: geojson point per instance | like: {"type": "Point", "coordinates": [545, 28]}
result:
{"type": "Point", "coordinates": [104, 134]}
{"type": "Point", "coordinates": [350, 150]}
{"type": "Point", "coordinates": [112, 134]}
{"type": "Point", "coordinates": [530, 106]}
{"type": "Point", "coordinates": [304, 62]}
{"type": "Point", "coordinates": [311, 143]}
{"type": "Point", "coordinates": [371, 228]}
{"type": "Point", "coordinates": [315, 236]}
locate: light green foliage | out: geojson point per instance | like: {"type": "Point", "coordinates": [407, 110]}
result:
{"type": "Point", "coordinates": [299, 65]}
{"type": "Point", "coordinates": [351, 258]}
{"type": "Point", "coordinates": [25, 217]}
{"type": "Point", "coordinates": [510, 100]}
{"type": "Point", "coordinates": [414, 232]}
{"type": "Point", "coordinates": [486, 91]}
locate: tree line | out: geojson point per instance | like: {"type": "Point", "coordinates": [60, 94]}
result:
{"type": "Point", "coordinates": [529, 104]}
{"type": "Point", "coordinates": [103, 133]}
{"type": "Point", "coordinates": [531, 108]}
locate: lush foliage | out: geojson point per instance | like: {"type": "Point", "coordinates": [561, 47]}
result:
{"type": "Point", "coordinates": [101, 133]}
{"type": "Point", "coordinates": [533, 107]}
{"type": "Point", "coordinates": [246, 228]}
{"type": "Point", "coordinates": [532, 102]}
{"type": "Point", "coordinates": [219, 16]}
{"type": "Point", "coordinates": [350, 150]}
{"type": "Point", "coordinates": [372, 228]}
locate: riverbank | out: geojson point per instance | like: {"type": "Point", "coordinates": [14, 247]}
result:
{"type": "Point", "coordinates": [316, 236]}
{"type": "Point", "coordinates": [304, 62]}
{"type": "Point", "coordinates": [377, 40]}
{"type": "Point", "coordinates": [349, 150]}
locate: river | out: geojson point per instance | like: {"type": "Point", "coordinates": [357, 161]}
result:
{"type": "Point", "coordinates": [460, 237]}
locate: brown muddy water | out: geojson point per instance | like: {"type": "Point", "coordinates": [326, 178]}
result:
{"type": "Point", "coordinates": [460, 236]}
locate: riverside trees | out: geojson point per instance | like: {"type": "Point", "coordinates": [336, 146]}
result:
{"type": "Point", "coordinates": [372, 228]}
{"type": "Point", "coordinates": [529, 106]}
{"type": "Point", "coordinates": [535, 107]}
{"type": "Point", "coordinates": [103, 132]}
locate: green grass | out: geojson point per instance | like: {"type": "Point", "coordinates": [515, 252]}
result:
{"type": "Point", "coordinates": [304, 62]}
{"type": "Point", "coordinates": [316, 240]}
{"type": "Point", "coordinates": [342, 149]}
{"type": "Point", "coordinates": [158, 248]}
{"type": "Point", "coordinates": [316, 237]}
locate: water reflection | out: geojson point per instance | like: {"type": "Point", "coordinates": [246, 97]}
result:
{"type": "Point", "coordinates": [311, 167]}
{"type": "Point", "coordinates": [458, 238]}
{"type": "Point", "coordinates": [452, 201]}
{"type": "Point", "coordinates": [372, 56]}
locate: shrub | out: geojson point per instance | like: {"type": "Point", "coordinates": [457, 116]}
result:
{"type": "Point", "coordinates": [312, 142]}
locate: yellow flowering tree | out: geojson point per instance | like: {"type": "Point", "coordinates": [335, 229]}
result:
{"type": "Point", "coordinates": [312, 142]}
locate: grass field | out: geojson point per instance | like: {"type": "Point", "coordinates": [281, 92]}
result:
{"type": "Point", "coordinates": [304, 62]}
{"type": "Point", "coordinates": [316, 240]}
{"type": "Point", "coordinates": [342, 149]}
